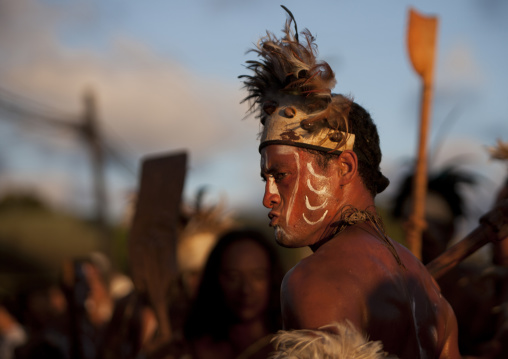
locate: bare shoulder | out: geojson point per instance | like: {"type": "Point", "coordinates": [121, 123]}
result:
{"type": "Point", "coordinates": [357, 276]}
{"type": "Point", "coordinates": [312, 298]}
{"type": "Point", "coordinates": [332, 284]}
{"type": "Point", "coordinates": [338, 280]}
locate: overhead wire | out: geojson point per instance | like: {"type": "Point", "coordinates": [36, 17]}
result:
{"type": "Point", "coordinates": [21, 108]}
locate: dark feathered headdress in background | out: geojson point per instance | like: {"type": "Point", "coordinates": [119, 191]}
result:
{"type": "Point", "coordinates": [290, 90]}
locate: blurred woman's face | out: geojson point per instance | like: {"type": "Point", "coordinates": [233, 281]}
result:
{"type": "Point", "coordinates": [245, 279]}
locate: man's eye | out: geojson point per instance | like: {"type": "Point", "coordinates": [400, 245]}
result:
{"type": "Point", "coordinates": [279, 176]}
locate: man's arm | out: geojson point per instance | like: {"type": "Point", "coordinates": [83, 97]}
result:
{"type": "Point", "coordinates": [450, 348]}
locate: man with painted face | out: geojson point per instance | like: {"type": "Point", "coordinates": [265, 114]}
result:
{"type": "Point", "coordinates": [320, 159]}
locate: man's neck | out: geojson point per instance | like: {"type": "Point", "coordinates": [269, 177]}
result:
{"type": "Point", "coordinates": [346, 217]}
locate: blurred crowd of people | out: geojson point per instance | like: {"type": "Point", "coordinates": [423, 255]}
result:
{"type": "Point", "coordinates": [223, 302]}
{"type": "Point", "coordinates": [52, 319]}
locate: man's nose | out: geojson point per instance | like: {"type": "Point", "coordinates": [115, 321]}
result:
{"type": "Point", "coordinates": [270, 197]}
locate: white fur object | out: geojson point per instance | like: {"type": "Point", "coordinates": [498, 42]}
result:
{"type": "Point", "coordinates": [333, 341]}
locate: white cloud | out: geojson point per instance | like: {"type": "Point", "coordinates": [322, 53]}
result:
{"type": "Point", "coordinates": [460, 71]}
{"type": "Point", "coordinates": [151, 102]}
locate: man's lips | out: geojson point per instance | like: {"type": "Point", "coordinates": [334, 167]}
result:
{"type": "Point", "coordinates": [274, 218]}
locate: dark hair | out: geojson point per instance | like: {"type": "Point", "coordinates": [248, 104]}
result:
{"type": "Point", "coordinates": [209, 314]}
{"type": "Point", "coordinates": [366, 148]}
{"type": "Point", "coordinates": [11, 304]}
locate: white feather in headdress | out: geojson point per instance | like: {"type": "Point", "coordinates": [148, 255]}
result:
{"type": "Point", "coordinates": [334, 341]}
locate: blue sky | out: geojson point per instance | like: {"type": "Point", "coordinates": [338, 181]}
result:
{"type": "Point", "coordinates": [165, 75]}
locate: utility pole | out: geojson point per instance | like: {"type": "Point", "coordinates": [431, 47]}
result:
{"type": "Point", "coordinates": [93, 140]}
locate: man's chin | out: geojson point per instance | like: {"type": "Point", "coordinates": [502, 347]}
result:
{"type": "Point", "coordinates": [282, 238]}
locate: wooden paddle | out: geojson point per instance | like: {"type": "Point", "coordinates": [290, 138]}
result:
{"type": "Point", "coordinates": [421, 42]}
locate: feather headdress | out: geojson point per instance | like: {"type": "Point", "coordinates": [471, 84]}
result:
{"type": "Point", "coordinates": [291, 92]}
{"type": "Point", "coordinates": [335, 341]}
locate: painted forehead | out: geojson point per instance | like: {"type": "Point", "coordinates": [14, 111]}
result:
{"type": "Point", "coordinates": [277, 150]}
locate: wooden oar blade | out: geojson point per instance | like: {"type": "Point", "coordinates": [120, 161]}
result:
{"type": "Point", "coordinates": [421, 42]}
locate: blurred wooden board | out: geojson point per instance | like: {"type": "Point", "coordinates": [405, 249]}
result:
{"type": "Point", "coordinates": [153, 233]}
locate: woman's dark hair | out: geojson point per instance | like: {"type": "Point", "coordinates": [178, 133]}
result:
{"type": "Point", "coordinates": [209, 314]}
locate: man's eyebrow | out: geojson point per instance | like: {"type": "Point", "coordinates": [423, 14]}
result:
{"type": "Point", "coordinates": [269, 171]}
{"type": "Point", "coordinates": [264, 173]}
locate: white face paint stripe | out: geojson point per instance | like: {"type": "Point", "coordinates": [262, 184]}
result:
{"type": "Point", "coordinates": [320, 192]}
{"type": "Point", "coordinates": [295, 189]}
{"type": "Point", "coordinates": [272, 187]}
{"type": "Point", "coordinates": [313, 208]}
{"type": "Point", "coordinates": [319, 220]}
{"type": "Point", "coordinates": [311, 170]}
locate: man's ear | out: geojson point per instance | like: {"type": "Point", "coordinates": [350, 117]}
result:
{"type": "Point", "coordinates": [348, 167]}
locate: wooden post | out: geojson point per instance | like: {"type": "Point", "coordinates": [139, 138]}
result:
{"type": "Point", "coordinates": [422, 47]}
{"type": "Point", "coordinates": [91, 134]}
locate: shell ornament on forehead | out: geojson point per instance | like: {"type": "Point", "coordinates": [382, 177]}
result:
{"type": "Point", "coordinates": [291, 93]}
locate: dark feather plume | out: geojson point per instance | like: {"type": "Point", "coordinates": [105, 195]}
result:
{"type": "Point", "coordinates": [289, 66]}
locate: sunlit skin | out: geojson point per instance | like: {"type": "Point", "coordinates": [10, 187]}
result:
{"type": "Point", "coordinates": [304, 199]}
{"type": "Point", "coordinates": [351, 275]}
